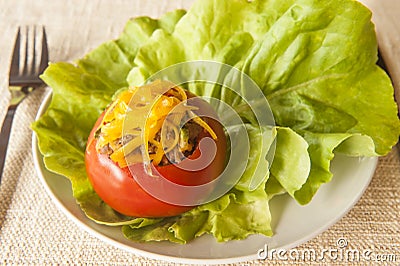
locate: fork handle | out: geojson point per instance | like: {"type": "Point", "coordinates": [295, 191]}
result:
{"type": "Point", "coordinates": [5, 136]}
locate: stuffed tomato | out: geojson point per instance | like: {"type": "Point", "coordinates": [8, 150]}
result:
{"type": "Point", "coordinates": [154, 124]}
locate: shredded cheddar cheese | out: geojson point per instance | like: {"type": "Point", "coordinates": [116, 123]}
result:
{"type": "Point", "coordinates": [147, 119]}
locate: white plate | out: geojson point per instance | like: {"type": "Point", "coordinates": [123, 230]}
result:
{"type": "Point", "coordinates": [292, 224]}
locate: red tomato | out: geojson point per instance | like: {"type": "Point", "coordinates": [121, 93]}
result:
{"type": "Point", "coordinates": [117, 187]}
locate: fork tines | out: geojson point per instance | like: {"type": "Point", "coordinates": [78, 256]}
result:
{"type": "Point", "coordinates": [30, 44]}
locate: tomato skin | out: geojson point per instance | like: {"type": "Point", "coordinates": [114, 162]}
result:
{"type": "Point", "coordinates": [117, 187]}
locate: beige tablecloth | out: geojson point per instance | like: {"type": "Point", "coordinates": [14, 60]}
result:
{"type": "Point", "coordinates": [34, 231]}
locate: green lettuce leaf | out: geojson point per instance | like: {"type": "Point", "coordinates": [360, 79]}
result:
{"type": "Point", "coordinates": [319, 77]}
{"type": "Point", "coordinates": [291, 164]}
{"type": "Point", "coordinates": [321, 151]}
{"type": "Point", "coordinates": [257, 164]}
{"type": "Point", "coordinates": [219, 218]}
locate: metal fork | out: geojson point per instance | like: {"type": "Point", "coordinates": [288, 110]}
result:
{"type": "Point", "coordinates": [27, 63]}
